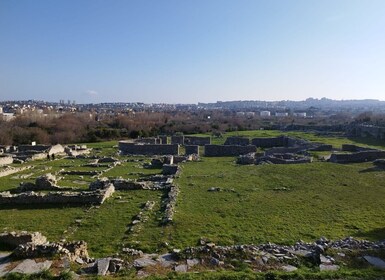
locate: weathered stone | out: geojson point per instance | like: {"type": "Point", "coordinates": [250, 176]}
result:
{"type": "Point", "coordinates": [102, 265]}
{"type": "Point", "coordinates": [14, 239]}
{"type": "Point", "coordinates": [376, 262]}
{"type": "Point", "coordinates": [166, 260]}
{"type": "Point", "coordinates": [329, 267]}
{"type": "Point", "coordinates": [144, 262]}
{"type": "Point", "coordinates": [181, 268]}
{"type": "Point", "coordinates": [289, 268]}
{"type": "Point", "coordinates": [192, 262]}
{"type": "Point", "coordinates": [29, 266]}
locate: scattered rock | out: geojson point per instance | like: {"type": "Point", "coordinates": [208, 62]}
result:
{"type": "Point", "coordinates": [327, 267]}
{"type": "Point", "coordinates": [102, 265]}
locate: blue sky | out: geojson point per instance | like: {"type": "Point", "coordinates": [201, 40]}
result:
{"type": "Point", "coordinates": [189, 51]}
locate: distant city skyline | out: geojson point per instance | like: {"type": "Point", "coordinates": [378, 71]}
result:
{"type": "Point", "coordinates": [171, 51]}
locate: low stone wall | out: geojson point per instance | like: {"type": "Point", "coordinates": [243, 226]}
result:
{"type": "Point", "coordinates": [73, 250]}
{"type": "Point", "coordinates": [235, 140]}
{"type": "Point", "coordinates": [39, 148]}
{"type": "Point", "coordinates": [5, 160]}
{"type": "Point", "coordinates": [170, 204]}
{"type": "Point", "coordinates": [85, 197]}
{"type": "Point", "coordinates": [14, 239]}
{"type": "Point", "coordinates": [85, 173]}
{"type": "Point", "coordinates": [228, 150]}
{"type": "Point", "coordinates": [355, 148]}
{"type": "Point", "coordinates": [170, 169]}
{"type": "Point", "coordinates": [191, 149]}
{"type": "Point", "coordinates": [149, 140]}
{"type": "Point", "coordinates": [129, 148]}
{"type": "Point", "coordinates": [357, 157]}
{"type": "Point", "coordinates": [177, 139]}
{"type": "Point", "coordinates": [285, 150]}
{"type": "Point", "coordinates": [163, 139]}
{"type": "Point", "coordinates": [196, 140]}
{"type": "Point", "coordinates": [280, 141]}
{"type": "Point", "coordinates": [283, 159]}
{"type": "Point", "coordinates": [12, 170]}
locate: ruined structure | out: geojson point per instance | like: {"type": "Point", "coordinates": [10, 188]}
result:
{"type": "Point", "coordinates": [14, 239]}
{"type": "Point", "coordinates": [228, 150]}
{"type": "Point", "coordinates": [177, 139]}
{"type": "Point", "coordinates": [84, 197]}
{"type": "Point", "coordinates": [366, 130]}
{"type": "Point", "coordinates": [236, 140]}
{"type": "Point", "coordinates": [196, 140]}
{"type": "Point", "coordinates": [46, 182]}
{"type": "Point", "coordinates": [129, 148]}
{"type": "Point", "coordinates": [191, 149]}
{"type": "Point", "coordinates": [5, 160]}
{"type": "Point", "coordinates": [148, 140]}
{"type": "Point", "coordinates": [357, 157]}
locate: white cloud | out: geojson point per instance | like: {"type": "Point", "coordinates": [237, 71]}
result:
{"type": "Point", "coordinates": [92, 92]}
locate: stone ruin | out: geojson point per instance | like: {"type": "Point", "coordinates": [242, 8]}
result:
{"type": "Point", "coordinates": [14, 239]}
{"type": "Point", "coordinates": [254, 158]}
{"type": "Point", "coordinates": [170, 169]}
{"type": "Point", "coordinates": [35, 245]}
{"type": "Point", "coordinates": [191, 149]}
{"type": "Point", "coordinates": [149, 140]}
{"type": "Point", "coordinates": [228, 150]}
{"type": "Point", "coordinates": [57, 197]}
{"type": "Point", "coordinates": [357, 157]}
{"type": "Point", "coordinates": [45, 182]}
{"type": "Point", "coordinates": [130, 148]}
{"type": "Point", "coordinates": [5, 160]}
{"type": "Point", "coordinates": [197, 140]}
{"type": "Point", "coordinates": [236, 140]}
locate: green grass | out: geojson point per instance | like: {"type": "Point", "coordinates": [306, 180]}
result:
{"type": "Point", "coordinates": [105, 227]}
{"type": "Point", "coordinates": [323, 199]}
{"type": "Point", "coordinates": [50, 220]}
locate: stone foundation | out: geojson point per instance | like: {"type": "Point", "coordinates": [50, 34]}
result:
{"type": "Point", "coordinates": [228, 150]}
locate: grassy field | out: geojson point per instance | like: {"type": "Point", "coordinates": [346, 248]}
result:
{"type": "Point", "coordinates": [255, 204]}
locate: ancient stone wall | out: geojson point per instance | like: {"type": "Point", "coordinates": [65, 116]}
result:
{"type": "Point", "coordinates": [56, 149]}
{"type": "Point", "coordinates": [128, 148]}
{"type": "Point", "coordinates": [170, 169]}
{"type": "Point", "coordinates": [357, 157]}
{"type": "Point", "coordinates": [84, 197]}
{"type": "Point", "coordinates": [163, 139]}
{"type": "Point", "coordinates": [148, 140]}
{"type": "Point", "coordinates": [280, 141]}
{"type": "Point", "coordinates": [354, 148]}
{"type": "Point", "coordinates": [5, 160]}
{"type": "Point", "coordinates": [235, 140]}
{"type": "Point", "coordinates": [228, 150]}
{"type": "Point", "coordinates": [14, 239]}
{"type": "Point", "coordinates": [195, 140]}
{"type": "Point", "coordinates": [177, 139]}
{"type": "Point", "coordinates": [39, 148]}
{"type": "Point", "coordinates": [285, 150]}
{"type": "Point", "coordinates": [11, 170]}
{"type": "Point", "coordinates": [191, 149]}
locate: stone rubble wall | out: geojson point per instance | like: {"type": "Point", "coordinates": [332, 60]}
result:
{"type": "Point", "coordinates": [56, 149]}
{"type": "Point", "coordinates": [191, 149]}
{"type": "Point", "coordinates": [228, 150]}
{"type": "Point", "coordinates": [14, 239]}
{"type": "Point", "coordinates": [149, 140]}
{"type": "Point", "coordinates": [357, 157]}
{"type": "Point", "coordinates": [177, 139]}
{"type": "Point", "coordinates": [163, 139]}
{"type": "Point", "coordinates": [129, 148]}
{"type": "Point", "coordinates": [38, 148]}
{"type": "Point", "coordinates": [285, 150]}
{"type": "Point", "coordinates": [73, 250]}
{"type": "Point", "coordinates": [170, 169]}
{"type": "Point", "coordinates": [84, 197]}
{"type": "Point", "coordinates": [170, 203]}
{"type": "Point", "coordinates": [12, 170]}
{"type": "Point", "coordinates": [239, 141]}
{"type": "Point", "coordinates": [271, 142]}
{"type": "Point", "coordinates": [196, 140]}
{"type": "Point", "coordinates": [355, 148]}
{"type": "Point", "coordinates": [6, 160]}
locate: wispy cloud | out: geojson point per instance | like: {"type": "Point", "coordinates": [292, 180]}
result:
{"type": "Point", "coordinates": [92, 92]}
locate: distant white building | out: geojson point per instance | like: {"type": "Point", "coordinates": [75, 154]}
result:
{"type": "Point", "coordinates": [1, 110]}
{"type": "Point", "coordinates": [300, 114]}
{"type": "Point", "coordinates": [281, 114]}
{"type": "Point", "coordinates": [264, 113]}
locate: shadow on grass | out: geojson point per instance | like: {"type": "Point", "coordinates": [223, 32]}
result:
{"type": "Point", "coordinates": [368, 141]}
{"type": "Point", "coordinates": [375, 234]}
{"type": "Point", "coordinates": [42, 206]}
{"type": "Point", "coordinates": [372, 169]}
